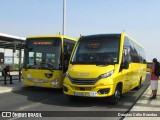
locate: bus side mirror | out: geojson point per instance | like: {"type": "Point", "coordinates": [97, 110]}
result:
{"type": "Point", "coordinates": [126, 64]}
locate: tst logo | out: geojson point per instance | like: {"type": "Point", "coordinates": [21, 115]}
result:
{"type": "Point", "coordinates": [83, 74]}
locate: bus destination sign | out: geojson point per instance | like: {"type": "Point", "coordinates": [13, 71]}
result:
{"type": "Point", "coordinates": [42, 43]}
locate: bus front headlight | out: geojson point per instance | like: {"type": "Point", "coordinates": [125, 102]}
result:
{"type": "Point", "coordinates": [105, 75]}
{"type": "Point", "coordinates": [55, 82]}
{"type": "Point", "coordinates": [29, 76]}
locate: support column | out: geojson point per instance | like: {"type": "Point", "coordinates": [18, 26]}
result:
{"type": "Point", "coordinates": [20, 55]}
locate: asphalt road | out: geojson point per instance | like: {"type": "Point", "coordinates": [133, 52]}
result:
{"type": "Point", "coordinates": [40, 99]}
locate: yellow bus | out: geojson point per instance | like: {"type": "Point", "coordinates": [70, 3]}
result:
{"type": "Point", "coordinates": [149, 64]}
{"type": "Point", "coordinates": [105, 65]}
{"type": "Point", "coordinates": [46, 60]}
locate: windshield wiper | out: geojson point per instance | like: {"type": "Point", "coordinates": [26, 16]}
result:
{"type": "Point", "coordinates": [100, 63]}
{"type": "Point", "coordinates": [78, 62]}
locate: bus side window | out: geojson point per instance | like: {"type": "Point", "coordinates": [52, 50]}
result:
{"type": "Point", "coordinates": [66, 59]}
{"type": "Point", "coordinates": [126, 54]}
{"type": "Point", "coordinates": [68, 47]}
{"type": "Point", "coordinates": [126, 59]}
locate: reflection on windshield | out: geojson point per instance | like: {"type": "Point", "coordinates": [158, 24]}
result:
{"type": "Point", "coordinates": [45, 55]}
{"type": "Point", "coordinates": [49, 62]}
{"type": "Point", "coordinates": [99, 51]}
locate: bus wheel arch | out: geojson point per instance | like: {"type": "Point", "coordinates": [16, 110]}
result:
{"type": "Point", "coordinates": [139, 84]}
{"type": "Point", "coordinates": [117, 94]}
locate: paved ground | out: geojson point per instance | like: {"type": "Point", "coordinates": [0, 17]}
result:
{"type": "Point", "coordinates": [10, 87]}
{"type": "Point", "coordinates": [30, 99]}
{"type": "Point", "coordinates": [144, 105]}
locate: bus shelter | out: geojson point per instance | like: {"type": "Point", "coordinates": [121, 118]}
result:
{"type": "Point", "coordinates": [14, 43]}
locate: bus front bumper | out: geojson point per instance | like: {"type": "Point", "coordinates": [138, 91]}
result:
{"type": "Point", "coordinates": [98, 91]}
{"type": "Point", "coordinates": [48, 84]}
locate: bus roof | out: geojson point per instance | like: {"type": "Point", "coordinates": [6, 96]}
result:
{"type": "Point", "coordinates": [118, 34]}
{"type": "Point", "coordinates": [52, 36]}
{"type": "Point", "coordinates": [132, 39]}
{"type": "Point", "coordinates": [100, 35]}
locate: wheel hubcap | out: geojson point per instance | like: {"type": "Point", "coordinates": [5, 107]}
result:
{"type": "Point", "coordinates": [117, 95]}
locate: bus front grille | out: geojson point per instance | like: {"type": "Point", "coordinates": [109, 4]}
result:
{"type": "Point", "coordinates": [79, 81]}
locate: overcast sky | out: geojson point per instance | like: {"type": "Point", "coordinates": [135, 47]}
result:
{"type": "Point", "coordinates": [139, 18]}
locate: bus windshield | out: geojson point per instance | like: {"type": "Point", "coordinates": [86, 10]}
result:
{"type": "Point", "coordinates": [103, 50]}
{"type": "Point", "coordinates": [42, 53]}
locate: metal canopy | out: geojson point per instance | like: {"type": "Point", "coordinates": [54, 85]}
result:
{"type": "Point", "coordinates": [11, 42]}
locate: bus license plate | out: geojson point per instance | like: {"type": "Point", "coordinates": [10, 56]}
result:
{"type": "Point", "coordinates": [92, 94]}
{"type": "Point", "coordinates": [80, 94]}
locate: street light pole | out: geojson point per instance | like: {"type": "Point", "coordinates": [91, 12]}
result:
{"type": "Point", "coordinates": [64, 17]}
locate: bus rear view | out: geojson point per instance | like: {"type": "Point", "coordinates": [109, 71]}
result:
{"type": "Point", "coordinates": [102, 66]}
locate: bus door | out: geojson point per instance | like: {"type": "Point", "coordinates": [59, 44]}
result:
{"type": "Point", "coordinates": [68, 47]}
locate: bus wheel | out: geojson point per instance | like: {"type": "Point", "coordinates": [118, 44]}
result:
{"type": "Point", "coordinates": [116, 96]}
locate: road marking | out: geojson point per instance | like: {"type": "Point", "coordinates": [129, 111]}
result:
{"type": "Point", "coordinates": [34, 105]}
{"type": "Point", "coordinates": [37, 103]}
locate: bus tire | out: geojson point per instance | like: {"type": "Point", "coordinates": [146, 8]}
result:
{"type": "Point", "coordinates": [116, 96]}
